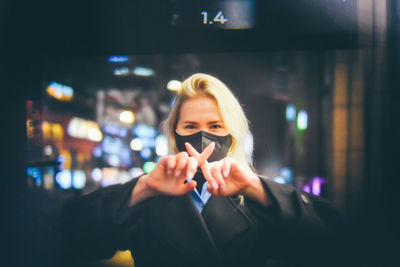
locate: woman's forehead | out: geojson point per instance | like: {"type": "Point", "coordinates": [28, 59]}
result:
{"type": "Point", "coordinates": [202, 107]}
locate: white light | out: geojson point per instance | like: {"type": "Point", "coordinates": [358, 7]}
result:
{"type": "Point", "coordinates": [82, 128]}
{"type": "Point", "coordinates": [95, 134]}
{"type": "Point", "coordinates": [124, 177]}
{"type": "Point", "coordinates": [280, 180]}
{"type": "Point", "coordinates": [136, 144]}
{"type": "Point", "coordinates": [127, 116]}
{"type": "Point", "coordinates": [97, 174]}
{"type": "Point", "coordinates": [248, 146]}
{"type": "Point", "coordinates": [142, 71]}
{"type": "Point", "coordinates": [302, 120]}
{"type": "Point", "coordinates": [121, 71]}
{"type": "Point", "coordinates": [48, 150]}
{"type": "Point", "coordinates": [113, 160]}
{"type": "Point", "coordinates": [63, 179]}
{"type": "Point", "coordinates": [136, 172]}
{"type": "Point", "coordinates": [174, 85]}
{"type": "Point", "coordinates": [161, 145]}
{"type": "Point", "coordinates": [79, 179]}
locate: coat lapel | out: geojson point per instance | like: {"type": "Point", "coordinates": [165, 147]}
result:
{"type": "Point", "coordinates": [177, 221]}
{"type": "Point", "coordinates": [225, 220]}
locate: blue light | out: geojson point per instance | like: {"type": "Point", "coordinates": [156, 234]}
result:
{"type": "Point", "coordinates": [115, 130]}
{"type": "Point", "coordinates": [118, 59]}
{"type": "Point", "coordinates": [78, 179]}
{"type": "Point", "coordinates": [286, 172]}
{"type": "Point", "coordinates": [148, 142]}
{"type": "Point", "coordinates": [145, 153]}
{"type": "Point", "coordinates": [143, 130]}
{"type": "Point", "coordinates": [35, 173]}
{"type": "Point", "coordinates": [125, 156]}
{"type": "Point", "coordinates": [290, 112]}
{"type": "Point", "coordinates": [112, 145]}
{"type": "Point", "coordinates": [97, 152]}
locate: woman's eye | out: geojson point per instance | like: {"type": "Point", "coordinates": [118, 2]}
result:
{"type": "Point", "coordinates": [189, 127]}
{"type": "Point", "coordinates": [216, 126]}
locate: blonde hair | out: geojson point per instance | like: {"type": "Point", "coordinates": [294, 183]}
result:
{"type": "Point", "coordinates": [229, 107]}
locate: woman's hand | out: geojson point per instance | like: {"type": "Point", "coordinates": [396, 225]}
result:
{"type": "Point", "coordinates": [226, 178]}
{"type": "Point", "coordinates": [169, 176]}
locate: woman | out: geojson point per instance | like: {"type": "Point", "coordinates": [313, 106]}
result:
{"type": "Point", "coordinates": [203, 205]}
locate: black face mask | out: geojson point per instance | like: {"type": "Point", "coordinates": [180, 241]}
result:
{"type": "Point", "coordinates": [201, 140]}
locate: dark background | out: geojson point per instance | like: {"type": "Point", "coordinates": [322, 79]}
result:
{"type": "Point", "coordinates": [34, 32]}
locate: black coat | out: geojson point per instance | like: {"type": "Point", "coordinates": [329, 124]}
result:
{"type": "Point", "coordinates": [169, 231]}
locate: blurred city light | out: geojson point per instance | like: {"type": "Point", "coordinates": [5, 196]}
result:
{"type": "Point", "coordinates": [136, 144]}
{"type": "Point", "coordinates": [35, 173]}
{"type": "Point", "coordinates": [85, 129]}
{"type": "Point", "coordinates": [316, 185]}
{"type": "Point", "coordinates": [112, 145]}
{"type": "Point", "coordinates": [290, 112]}
{"type": "Point", "coordinates": [125, 156]}
{"type": "Point", "coordinates": [161, 143]}
{"type": "Point", "coordinates": [174, 85]}
{"type": "Point", "coordinates": [64, 179]}
{"type": "Point", "coordinates": [97, 152]}
{"type": "Point", "coordinates": [286, 172]}
{"type": "Point", "coordinates": [60, 92]}
{"type": "Point", "coordinates": [113, 160]}
{"type": "Point", "coordinates": [145, 153]}
{"type": "Point", "coordinates": [143, 130]}
{"type": "Point", "coordinates": [279, 180]}
{"type": "Point", "coordinates": [248, 146]}
{"type": "Point", "coordinates": [95, 135]}
{"type": "Point", "coordinates": [149, 166]}
{"type": "Point", "coordinates": [127, 117]}
{"type": "Point", "coordinates": [78, 179]}
{"type": "Point", "coordinates": [302, 120]}
{"type": "Point", "coordinates": [48, 150]}
{"type": "Point", "coordinates": [110, 176]}
{"type": "Point", "coordinates": [142, 71]}
{"type": "Point", "coordinates": [97, 175]}
{"type": "Point", "coordinates": [52, 131]}
{"type": "Point", "coordinates": [118, 59]}
{"type": "Point", "coordinates": [122, 71]}
{"type": "Point", "coordinates": [136, 172]}
{"type": "Point", "coordinates": [148, 141]}
{"type": "Point", "coordinates": [307, 188]}
{"type": "Point", "coordinates": [115, 130]}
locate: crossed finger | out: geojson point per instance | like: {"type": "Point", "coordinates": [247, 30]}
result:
{"type": "Point", "coordinates": [203, 156]}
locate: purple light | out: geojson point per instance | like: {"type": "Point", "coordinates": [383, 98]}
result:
{"type": "Point", "coordinates": [316, 183]}
{"type": "Point", "coordinates": [306, 188]}
{"type": "Point", "coordinates": [316, 187]}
